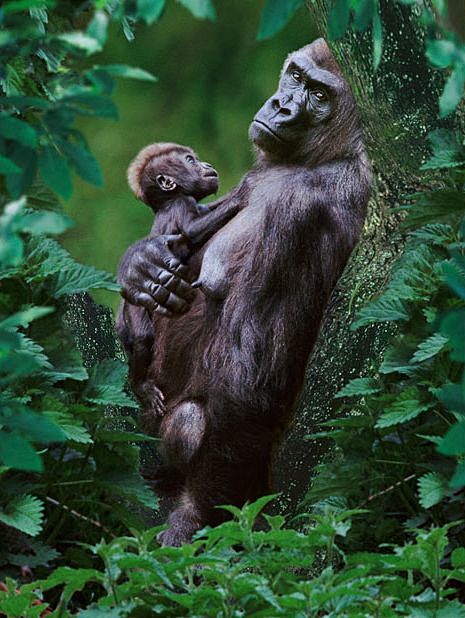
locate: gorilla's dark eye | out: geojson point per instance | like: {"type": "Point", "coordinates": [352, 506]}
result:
{"type": "Point", "coordinates": [320, 95]}
{"type": "Point", "coordinates": [297, 75]}
{"type": "Point", "coordinates": [190, 159]}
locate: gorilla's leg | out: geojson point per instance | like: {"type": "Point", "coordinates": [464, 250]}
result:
{"type": "Point", "coordinates": [231, 467]}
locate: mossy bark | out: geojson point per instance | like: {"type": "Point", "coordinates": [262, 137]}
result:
{"type": "Point", "coordinates": [398, 106]}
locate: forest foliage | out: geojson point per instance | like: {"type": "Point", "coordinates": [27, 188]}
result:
{"type": "Point", "coordinates": [382, 530]}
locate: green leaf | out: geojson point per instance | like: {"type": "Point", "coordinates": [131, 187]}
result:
{"type": "Point", "coordinates": [72, 427]}
{"type": "Point", "coordinates": [447, 150]}
{"type": "Point", "coordinates": [18, 130]}
{"type": "Point", "coordinates": [25, 513]}
{"type": "Point", "coordinates": [429, 348]}
{"type": "Point", "coordinates": [377, 36]}
{"type": "Point", "coordinates": [458, 557]}
{"type": "Point", "coordinates": [26, 159]}
{"type": "Point", "coordinates": [83, 161]}
{"type": "Point", "coordinates": [454, 274]}
{"type": "Point", "coordinates": [202, 9]}
{"type": "Point", "coordinates": [384, 309]}
{"type": "Point", "coordinates": [400, 412]}
{"type": "Point", "coordinates": [363, 14]}
{"type": "Point", "coordinates": [452, 396]}
{"type": "Point", "coordinates": [97, 29]}
{"type": "Point", "coordinates": [55, 171]}
{"type": "Point", "coordinates": [107, 383]}
{"type": "Point", "coordinates": [453, 327]}
{"type": "Point", "coordinates": [16, 452]}
{"type": "Point", "coordinates": [453, 92]}
{"type": "Point", "coordinates": [8, 167]}
{"type": "Point", "coordinates": [45, 222]}
{"type": "Point", "coordinates": [441, 53]}
{"type": "Point", "coordinates": [429, 207]}
{"type": "Point", "coordinates": [454, 440]}
{"type": "Point", "coordinates": [359, 386]}
{"type": "Point", "coordinates": [339, 19]}
{"type": "Point", "coordinates": [458, 478]}
{"type": "Point", "coordinates": [275, 16]}
{"type": "Point", "coordinates": [150, 10]}
{"type": "Point", "coordinates": [82, 41]}
{"type": "Point", "coordinates": [35, 426]}
{"type": "Point", "coordinates": [124, 70]}
{"type": "Point", "coordinates": [432, 488]}
{"type": "Point", "coordinates": [80, 278]}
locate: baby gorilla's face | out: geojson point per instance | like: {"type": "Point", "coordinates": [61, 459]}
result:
{"type": "Point", "coordinates": [198, 178]}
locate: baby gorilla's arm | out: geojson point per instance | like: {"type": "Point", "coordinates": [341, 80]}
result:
{"type": "Point", "coordinates": [201, 229]}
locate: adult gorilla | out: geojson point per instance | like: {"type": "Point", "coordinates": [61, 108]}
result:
{"type": "Point", "coordinates": [231, 361]}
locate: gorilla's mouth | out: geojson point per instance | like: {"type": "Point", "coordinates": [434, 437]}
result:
{"type": "Point", "coordinates": [270, 131]}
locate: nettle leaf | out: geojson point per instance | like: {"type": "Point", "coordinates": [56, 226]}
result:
{"type": "Point", "coordinates": [275, 16]}
{"type": "Point", "coordinates": [458, 557]}
{"type": "Point", "coordinates": [25, 513]}
{"type": "Point", "coordinates": [107, 383]}
{"type": "Point", "coordinates": [454, 440]}
{"type": "Point", "coordinates": [454, 274]}
{"type": "Point", "coordinates": [432, 488]}
{"type": "Point", "coordinates": [433, 206]}
{"type": "Point", "coordinates": [434, 233]}
{"type": "Point", "coordinates": [458, 478]}
{"type": "Point", "coordinates": [359, 386]}
{"type": "Point", "coordinates": [453, 92]}
{"type": "Point", "coordinates": [130, 485]}
{"type": "Point", "coordinates": [429, 348]}
{"type": "Point", "coordinates": [81, 278]}
{"type": "Point", "coordinates": [123, 70]}
{"type": "Point", "coordinates": [150, 10]}
{"type": "Point", "coordinates": [35, 426]}
{"type": "Point", "coordinates": [17, 452]}
{"type": "Point", "coordinates": [406, 408]}
{"type": "Point", "coordinates": [55, 171]}
{"type": "Point", "coordinates": [453, 327]}
{"type": "Point", "coordinates": [447, 149]}
{"type": "Point", "coordinates": [72, 427]}
{"type": "Point", "coordinates": [452, 396]}
{"type": "Point", "coordinates": [18, 131]}
{"type": "Point", "coordinates": [384, 309]}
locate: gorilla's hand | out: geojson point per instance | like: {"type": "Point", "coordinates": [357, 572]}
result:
{"type": "Point", "coordinates": [151, 276]}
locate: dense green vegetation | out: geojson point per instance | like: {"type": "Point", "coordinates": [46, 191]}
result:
{"type": "Point", "coordinates": [383, 531]}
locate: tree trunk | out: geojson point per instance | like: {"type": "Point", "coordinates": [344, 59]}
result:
{"type": "Point", "coordinates": [398, 107]}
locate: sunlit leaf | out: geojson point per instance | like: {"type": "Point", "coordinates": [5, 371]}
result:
{"type": "Point", "coordinates": [432, 488]}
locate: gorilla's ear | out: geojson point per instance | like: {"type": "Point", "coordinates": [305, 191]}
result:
{"type": "Point", "coordinates": [166, 183]}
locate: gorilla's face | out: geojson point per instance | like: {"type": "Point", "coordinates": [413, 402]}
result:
{"type": "Point", "coordinates": [306, 98]}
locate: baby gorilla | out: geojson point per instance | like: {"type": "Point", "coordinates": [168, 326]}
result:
{"type": "Point", "coordinates": [170, 179]}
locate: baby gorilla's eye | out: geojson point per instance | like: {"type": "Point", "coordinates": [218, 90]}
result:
{"type": "Point", "coordinates": [297, 76]}
{"type": "Point", "coordinates": [320, 95]}
{"type": "Point", "coordinates": [190, 159]}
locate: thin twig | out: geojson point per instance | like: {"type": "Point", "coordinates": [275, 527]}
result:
{"type": "Point", "coordinates": [94, 522]}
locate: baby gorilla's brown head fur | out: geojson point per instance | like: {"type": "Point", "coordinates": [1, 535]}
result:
{"type": "Point", "coordinates": [164, 170]}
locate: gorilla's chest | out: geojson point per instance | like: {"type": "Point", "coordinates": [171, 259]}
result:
{"type": "Point", "coordinates": [223, 255]}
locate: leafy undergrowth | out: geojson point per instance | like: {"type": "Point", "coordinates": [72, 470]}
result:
{"type": "Point", "coordinates": [233, 571]}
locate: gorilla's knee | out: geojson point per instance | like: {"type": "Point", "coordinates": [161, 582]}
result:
{"type": "Point", "coordinates": [182, 430]}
